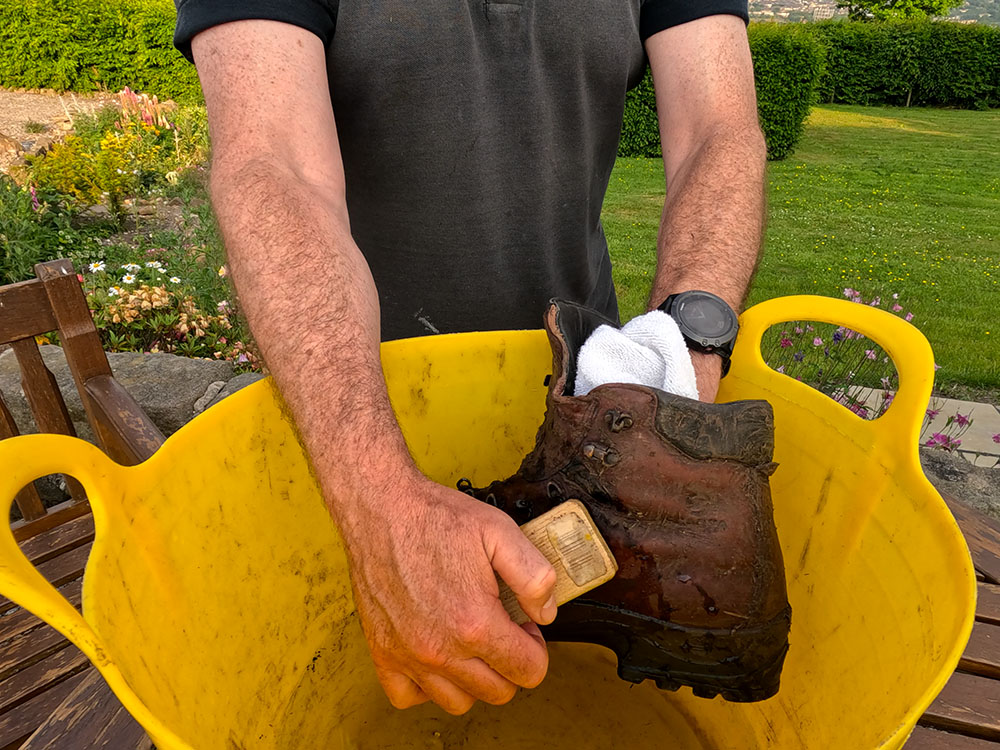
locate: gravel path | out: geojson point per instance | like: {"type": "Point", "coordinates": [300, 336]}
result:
{"type": "Point", "coordinates": [17, 108]}
{"type": "Point", "coordinates": [48, 113]}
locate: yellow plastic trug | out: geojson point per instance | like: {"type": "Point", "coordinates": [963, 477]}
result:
{"type": "Point", "coordinates": [217, 602]}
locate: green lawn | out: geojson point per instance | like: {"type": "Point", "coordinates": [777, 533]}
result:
{"type": "Point", "coordinates": [883, 200]}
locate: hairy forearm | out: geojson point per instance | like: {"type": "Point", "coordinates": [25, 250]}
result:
{"type": "Point", "coordinates": [713, 217]}
{"type": "Point", "coordinates": [313, 309]}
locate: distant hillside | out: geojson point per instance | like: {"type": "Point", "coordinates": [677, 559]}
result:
{"type": "Point", "coordinates": [794, 11]}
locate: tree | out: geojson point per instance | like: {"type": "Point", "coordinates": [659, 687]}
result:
{"type": "Point", "coordinates": [880, 10]}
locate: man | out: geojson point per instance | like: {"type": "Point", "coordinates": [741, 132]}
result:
{"type": "Point", "coordinates": [389, 168]}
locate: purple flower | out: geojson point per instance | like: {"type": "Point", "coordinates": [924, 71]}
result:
{"type": "Point", "coordinates": [838, 335]}
{"type": "Point", "coordinates": [932, 413]}
{"type": "Point", "coordinates": [870, 353]}
{"type": "Point", "coordinates": [817, 341]}
{"type": "Point", "coordinates": [798, 356]}
{"type": "Point", "coordinates": [962, 420]}
{"type": "Point", "coordinates": [243, 359]}
{"type": "Point", "coordinates": [848, 292]}
{"type": "Point", "coordinates": [908, 317]}
{"type": "Point", "coordinates": [885, 382]}
{"type": "Point", "coordinates": [936, 367]}
{"type": "Point", "coordinates": [860, 409]}
{"type": "Point", "coordinates": [35, 205]}
{"type": "Point", "coordinates": [897, 307]}
{"type": "Point", "coordinates": [798, 329]}
{"type": "Point", "coordinates": [785, 342]}
{"type": "Point", "coordinates": [781, 369]}
{"type": "Point", "coordinates": [887, 398]}
{"type": "Point", "coordinates": [996, 438]}
{"type": "Point", "coordinates": [826, 351]}
{"type": "Point", "coordinates": [876, 302]}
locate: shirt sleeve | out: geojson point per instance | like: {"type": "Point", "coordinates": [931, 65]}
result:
{"type": "Point", "coordinates": [657, 15]}
{"type": "Point", "coordinates": [195, 16]}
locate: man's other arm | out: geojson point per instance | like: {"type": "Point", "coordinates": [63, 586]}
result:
{"type": "Point", "coordinates": [714, 161]}
{"type": "Point", "coordinates": [422, 556]}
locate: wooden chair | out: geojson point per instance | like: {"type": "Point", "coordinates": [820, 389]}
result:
{"type": "Point", "coordinates": [48, 690]}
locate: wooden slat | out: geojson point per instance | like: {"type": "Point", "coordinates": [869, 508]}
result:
{"type": "Point", "coordinates": [46, 402]}
{"type": "Point", "coordinates": [982, 655]}
{"type": "Point", "coordinates": [90, 717]}
{"type": "Point", "coordinates": [60, 570]}
{"type": "Point", "coordinates": [20, 722]}
{"type": "Point", "coordinates": [27, 499]}
{"type": "Point", "coordinates": [982, 534]}
{"type": "Point", "coordinates": [22, 621]}
{"type": "Point", "coordinates": [59, 540]}
{"type": "Point", "coordinates": [924, 738]}
{"type": "Point", "coordinates": [58, 514]}
{"type": "Point", "coordinates": [40, 677]}
{"type": "Point", "coordinates": [970, 705]}
{"type": "Point", "coordinates": [135, 437]}
{"type": "Point", "coordinates": [79, 338]}
{"type": "Point", "coordinates": [988, 604]}
{"type": "Point", "coordinates": [30, 648]}
{"type": "Point", "coordinates": [24, 311]}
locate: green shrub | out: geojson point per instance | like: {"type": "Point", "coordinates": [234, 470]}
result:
{"type": "Point", "coordinates": [90, 45]}
{"type": "Point", "coordinates": [919, 63]}
{"type": "Point", "coordinates": [34, 227]}
{"type": "Point", "coordinates": [787, 65]}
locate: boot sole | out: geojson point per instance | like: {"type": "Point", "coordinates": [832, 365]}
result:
{"type": "Point", "coordinates": [743, 665]}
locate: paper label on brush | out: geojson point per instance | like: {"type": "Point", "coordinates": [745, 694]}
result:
{"type": "Point", "coordinates": [580, 555]}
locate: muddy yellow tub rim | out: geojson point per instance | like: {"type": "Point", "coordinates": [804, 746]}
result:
{"type": "Point", "coordinates": [217, 603]}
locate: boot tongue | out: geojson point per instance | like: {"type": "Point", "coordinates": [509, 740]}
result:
{"type": "Point", "coordinates": [570, 325]}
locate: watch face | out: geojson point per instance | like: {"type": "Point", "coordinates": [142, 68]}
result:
{"type": "Point", "coordinates": [706, 317]}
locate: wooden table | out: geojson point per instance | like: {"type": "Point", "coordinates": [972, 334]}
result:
{"type": "Point", "coordinates": [52, 698]}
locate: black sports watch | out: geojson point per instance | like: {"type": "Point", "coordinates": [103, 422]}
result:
{"type": "Point", "coordinates": [707, 323]}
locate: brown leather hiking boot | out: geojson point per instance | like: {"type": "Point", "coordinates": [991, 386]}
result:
{"type": "Point", "coordinates": [679, 489]}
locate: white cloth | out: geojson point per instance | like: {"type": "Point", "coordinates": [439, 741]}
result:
{"type": "Point", "coordinates": [648, 350]}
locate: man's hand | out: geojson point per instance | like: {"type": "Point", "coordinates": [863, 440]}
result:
{"type": "Point", "coordinates": [422, 556]}
{"type": "Point", "coordinates": [450, 641]}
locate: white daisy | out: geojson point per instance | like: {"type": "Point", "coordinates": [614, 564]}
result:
{"type": "Point", "coordinates": [95, 267]}
{"type": "Point", "coordinates": [114, 291]}
{"type": "Point", "coordinates": [128, 278]}
{"type": "Point", "coordinates": [175, 280]}
{"type": "Point", "coordinates": [131, 267]}
{"type": "Point", "coordinates": [154, 264]}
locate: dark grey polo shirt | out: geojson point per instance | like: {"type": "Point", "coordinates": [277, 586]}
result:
{"type": "Point", "coordinates": [478, 138]}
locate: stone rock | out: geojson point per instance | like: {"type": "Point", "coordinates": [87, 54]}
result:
{"type": "Point", "coordinates": [952, 474]}
{"type": "Point", "coordinates": [210, 393]}
{"type": "Point", "coordinates": [238, 383]}
{"type": "Point", "coordinates": [165, 386]}
{"type": "Point", "coordinates": [9, 146]}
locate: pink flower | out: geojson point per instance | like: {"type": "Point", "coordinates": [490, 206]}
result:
{"type": "Point", "coordinates": [848, 292]}
{"type": "Point", "coordinates": [996, 438]}
{"type": "Point", "coordinates": [35, 205]}
{"type": "Point", "coordinates": [785, 343]}
{"type": "Point", "coordinates": [897, 307]}
{"type": "Point", "coordinates": [962, 420]}
{"type": "Point", "coordinates": [932, 413]}
{"type": "Point", "coordinates": [909, 317]}
{"type": "Point", "coordinates": [817, 341]}
{"type": "Point", "coordinates": [876, 302]}
{"type": "Point", "coordinates": [870, 353]}
{"type": "Point", "coordinates": [798, 329]}
{"type": "Point", "coordinates": [936, 367]}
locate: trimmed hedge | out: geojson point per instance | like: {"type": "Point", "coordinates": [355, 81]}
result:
{"type": "Point", "coordinates": [89, 45]}
{"type": "Point", "coordinates": [918, 63]}
{"type": "Point", "coordinates": [788, 62]}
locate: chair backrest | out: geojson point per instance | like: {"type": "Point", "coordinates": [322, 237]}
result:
{"type": "Point", "coordinates": [54, 301]}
